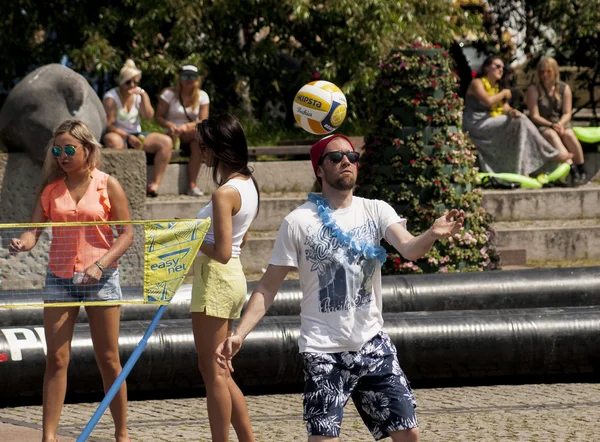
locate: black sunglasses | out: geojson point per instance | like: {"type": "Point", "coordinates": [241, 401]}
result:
{"type": "Point", "coordinates": [336, 156]}
{"type": "Point", "coordinates": [69, 150]}
{"type": "Point", "coordinates": [132, 82]}
{"type": "Point", "coordinates": [189, 76]}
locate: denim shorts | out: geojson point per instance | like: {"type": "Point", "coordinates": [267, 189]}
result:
{"type": "Point", "coordinates": [372, 377]}
{"type": "Point", "coordinates": [64, 290]}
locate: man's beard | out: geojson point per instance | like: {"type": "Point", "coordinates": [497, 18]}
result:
{"type": "Point", "coordinates": [344, 182]}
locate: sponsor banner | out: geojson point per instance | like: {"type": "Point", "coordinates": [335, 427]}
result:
{"type": "Point", "coordinates": [170, 250]}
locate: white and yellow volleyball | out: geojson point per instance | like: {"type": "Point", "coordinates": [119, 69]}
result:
{"type": "Point", "coordinates": [320, 107]}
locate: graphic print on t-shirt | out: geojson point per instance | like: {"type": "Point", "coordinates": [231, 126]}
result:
{"type": "Point", "coordinates": [345, 277]}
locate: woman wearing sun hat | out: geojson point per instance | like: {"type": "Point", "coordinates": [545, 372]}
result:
{"type": "Point", "coordinates": [124, 106]}
{"type": "Point", "coordinates": [179, 109]}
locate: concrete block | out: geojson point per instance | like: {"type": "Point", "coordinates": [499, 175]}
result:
{"type": "Point", "coordinates": [271, 214]}
{"type": "Point", "coordinates": [257, 253]}
{"type": "Point", "coordinates": [554, 240]}
{"type": "Point", "coordinates": [272, 176]}
{"type": "Point", "coordinates": [529, 204]}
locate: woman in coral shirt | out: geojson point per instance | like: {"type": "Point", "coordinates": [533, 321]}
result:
{"type": "Point", "coordinates": [82, 265]}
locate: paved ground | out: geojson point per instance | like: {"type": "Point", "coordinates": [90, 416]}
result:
{"type": "Point", "coordinates": [556, 412]}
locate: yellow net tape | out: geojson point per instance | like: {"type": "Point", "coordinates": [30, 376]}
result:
{"type": "Point", "coordinates": [53, 273]}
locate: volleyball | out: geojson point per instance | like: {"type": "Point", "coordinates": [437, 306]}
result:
{"type": "Point", "coordinates": [320, 107]}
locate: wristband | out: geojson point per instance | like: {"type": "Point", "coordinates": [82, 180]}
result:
{"type": "Point", "coordinates": [100, 266]}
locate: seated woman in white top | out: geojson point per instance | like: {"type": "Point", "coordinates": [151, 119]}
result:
{"type": "Point", "coordinates": [124, 105]}
{"type": "Point", "coordinates": [179, 109]}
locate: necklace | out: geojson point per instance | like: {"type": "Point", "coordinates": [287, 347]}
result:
{"type": "Point", "coordinates": [497, 109]}
{"type": "Point", "coordinates": [365, 249]}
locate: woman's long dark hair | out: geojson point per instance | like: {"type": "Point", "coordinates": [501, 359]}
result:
{"type": "Point", "coordinates": [223, 136]}
{"type": "Point", "coordinates": [486, 65]}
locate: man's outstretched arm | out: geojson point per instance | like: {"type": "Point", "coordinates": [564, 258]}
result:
{"type": "Point", "coordinates": [414, 247]}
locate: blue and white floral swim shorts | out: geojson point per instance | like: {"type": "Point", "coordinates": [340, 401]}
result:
{"type": "Point", "coordinates": [372, 377]}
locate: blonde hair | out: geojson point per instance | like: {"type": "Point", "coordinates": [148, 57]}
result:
{"type": "Point", "coordinates": [196, 93]}
{"type": "Point", "coordinates": [551, 64]}
{"type": "Point", "coordinates": [128, 71]}
{"type": "Point", "coordinates": [51, 171]}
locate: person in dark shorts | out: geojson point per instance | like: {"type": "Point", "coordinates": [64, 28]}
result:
{"type": "Point", "coordinates": [334, 241]}
{"type": "Point", "coordinates": [125, 105]}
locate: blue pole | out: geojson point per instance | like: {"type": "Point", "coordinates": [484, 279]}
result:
{"type": "Point", "coordinates": [110, 394]}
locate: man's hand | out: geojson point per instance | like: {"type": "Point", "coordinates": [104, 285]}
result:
{"type": "Point", "coordinates": [446, 225]}
{"type": "Point", "coordinates": [227, 350]}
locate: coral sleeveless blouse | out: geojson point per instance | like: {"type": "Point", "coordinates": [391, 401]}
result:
{"type": "Point", "coordinates": [74, 248]}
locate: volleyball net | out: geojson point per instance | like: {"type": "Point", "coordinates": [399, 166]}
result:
{"type": "Point", "coordinates": [70, 263]}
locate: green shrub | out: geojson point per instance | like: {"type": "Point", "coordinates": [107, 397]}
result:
{"type": "Point", "coordinates": [418, 160]}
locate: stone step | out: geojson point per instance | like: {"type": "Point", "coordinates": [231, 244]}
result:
{"type": "Point", "coordinates": [272, 176]}
{"type": "Point", "coordinates": [551, 239]}
{"type": "Point", "coordinates": [513, 257]}
{"type": "Point", "coordinates": [283, 176]}
{"type": "Point", "coordinates": [505, 205]}
{"type": "Point", "coordinates": [544, 204]}
{"type": "Point", "coordinates": [272, 209]}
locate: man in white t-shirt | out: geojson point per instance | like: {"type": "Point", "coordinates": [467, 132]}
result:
{"type": "Point", "coordinates": [334, 241]}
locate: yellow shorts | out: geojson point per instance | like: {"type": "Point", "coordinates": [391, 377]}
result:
{"type": "Point", "coordinates": [219, 289]}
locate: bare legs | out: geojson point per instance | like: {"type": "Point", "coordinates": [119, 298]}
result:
{"type": "Point", "coordinates": [59, 323]}
{"type": "Point", "coordinates": [58, 328]}
{"type": "Point", "coordinates": [104, 329]}
{"type": "Point", "coordinates": [191, 138]}
{"type": "Point", "coordinates": [161, 146]}
{"type": "Point", "coordinates": [158, 144]}
{"type": "Point", "coordinates": [224, 399]}
{"type": "Point", "coordinates": [567, 143]}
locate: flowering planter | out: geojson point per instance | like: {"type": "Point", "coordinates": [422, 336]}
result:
{"type": "Point", "coordinates": [420, 162]}
{"type": "Point", "coordinates": [408, 116]}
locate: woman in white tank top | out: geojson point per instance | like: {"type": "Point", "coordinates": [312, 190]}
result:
{"type": "Point", "coordinates": [219, 289]}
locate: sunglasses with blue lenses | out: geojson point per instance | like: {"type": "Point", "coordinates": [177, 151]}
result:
{"type": "Point", "coordinates": [69, 149]}
{"type": "Point", "coordinates": [188, 76]}
{"type": "Point", "coordinates": [336, 156]}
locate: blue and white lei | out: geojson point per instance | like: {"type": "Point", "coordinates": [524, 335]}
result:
{"type": "Point", "coordinates": [368, 250]}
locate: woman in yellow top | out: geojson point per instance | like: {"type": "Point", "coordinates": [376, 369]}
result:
{"type": "Point", "coordinates": [550, 103]}
{"type": "Point", "coordinates": [82, 265]}
{"type": "Point", "coordinates": [506, 140]}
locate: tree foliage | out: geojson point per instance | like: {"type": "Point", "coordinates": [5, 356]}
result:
{"type": "Point", "coordinates": [250, 50]}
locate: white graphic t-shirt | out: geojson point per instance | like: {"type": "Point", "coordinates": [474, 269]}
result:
{"type": "Point", "coordinates": [341, 304]}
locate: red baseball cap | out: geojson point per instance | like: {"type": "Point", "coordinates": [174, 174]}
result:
{"type": "Point", "coordinates": [317, 149]}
